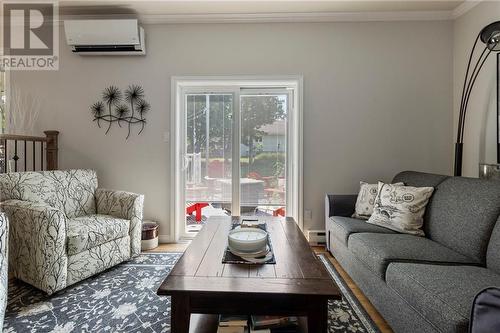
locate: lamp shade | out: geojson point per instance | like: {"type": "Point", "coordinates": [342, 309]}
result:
{"type": "Point", "coordinates": [490, 35]}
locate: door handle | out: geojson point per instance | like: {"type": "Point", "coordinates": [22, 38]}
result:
{"type": "Point", "coordinates": [185, 162]}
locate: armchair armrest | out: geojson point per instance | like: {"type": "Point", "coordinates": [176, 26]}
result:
{"type": "Point", "coordinates": [37, 244]}
{"type": "Point", "coordinates": [4, 237]}
{"type": "Point", "coordinates": [124, 205]}
{"type": "Point", "coordinates": [340, 205]}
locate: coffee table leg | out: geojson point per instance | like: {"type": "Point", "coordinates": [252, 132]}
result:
{"type": "Point", "coordinates": [180, 314]}
{"type": "Point", "coordinates": [317, 317]}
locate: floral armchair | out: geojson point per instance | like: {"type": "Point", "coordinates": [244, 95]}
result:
{"type": "Point", "coordinates": [4, 236]}
{"type": "Point", "coordinates": [64, 228]}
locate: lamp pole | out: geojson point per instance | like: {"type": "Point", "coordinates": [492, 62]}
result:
{"type": "Point", "coordinates": [490, 36]}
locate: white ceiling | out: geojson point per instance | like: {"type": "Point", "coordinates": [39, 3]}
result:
{"type": "Point", "coordinates": [259, 10]}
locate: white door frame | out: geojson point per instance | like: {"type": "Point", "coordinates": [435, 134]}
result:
{"type": "Point", "coordinates": [180, 85]}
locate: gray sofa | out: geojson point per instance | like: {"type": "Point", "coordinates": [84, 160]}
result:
{"type": "Point", "coordinates": [424, 284]}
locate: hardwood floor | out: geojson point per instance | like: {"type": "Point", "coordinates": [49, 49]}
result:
{"type": "Point", "coordinates": [370, 309]}
{"type": "Point", "coordinates": [171, 247]}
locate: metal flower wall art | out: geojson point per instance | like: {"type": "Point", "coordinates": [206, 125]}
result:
{"type": "Point", "coordinates": [125, 109]}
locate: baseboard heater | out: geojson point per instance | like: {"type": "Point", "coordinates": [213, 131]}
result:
{"type": "Point", "coordinates": [316, 237]}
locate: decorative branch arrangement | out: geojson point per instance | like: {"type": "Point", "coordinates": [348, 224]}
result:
{"type": "Point", "coordinates": [129, 108]}
{"type": "Point", "coordinates": [23, 112]}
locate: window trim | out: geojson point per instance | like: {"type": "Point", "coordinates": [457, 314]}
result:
{"type": "Point", "coordinates": [220, 84]}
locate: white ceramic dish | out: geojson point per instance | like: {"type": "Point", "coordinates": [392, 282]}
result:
{"type": "Point", "coordinates": [247, 240]}
{"type": "Point", "coordinates": [260, 260]}
{"type": "Point", "coordinates": [256, 258]}
{"type": "Point", "coordinates": [248, 254]}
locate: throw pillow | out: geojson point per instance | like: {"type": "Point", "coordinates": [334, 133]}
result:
{"type": "Point", "coordinates": [401, 208]}
{"type": "Point", "coordinates": [366, 200]}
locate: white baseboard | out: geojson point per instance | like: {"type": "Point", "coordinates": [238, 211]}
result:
{"type": "Point", "coordinates": [165, 239]}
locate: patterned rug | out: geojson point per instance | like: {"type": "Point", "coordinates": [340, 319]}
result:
{"type": "Point", "coordinates": [347, 314]}
{"type": "Point", "coordinates": [123, 299]}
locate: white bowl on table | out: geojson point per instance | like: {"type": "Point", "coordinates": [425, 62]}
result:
{"type": "Point", "coordinates": [247, 240]}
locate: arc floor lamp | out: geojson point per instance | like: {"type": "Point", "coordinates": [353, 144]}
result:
{"type": "Point", "coordinates": [490, 36]}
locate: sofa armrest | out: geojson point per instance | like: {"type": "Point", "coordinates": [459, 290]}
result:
{"type": "Point", "coordinates": [37, 244]}
{"type": "Point", "coordinates": [340, 205]}
{"type": "Point", "coordinates": [123, 205]}
{"type": "Point", "coordinates": [4, 237]}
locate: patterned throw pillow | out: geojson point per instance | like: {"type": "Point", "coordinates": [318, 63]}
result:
{"type": "Point", "coordinates": [366, 200]}
{"type": "Point", "coordinates": [401, 208]}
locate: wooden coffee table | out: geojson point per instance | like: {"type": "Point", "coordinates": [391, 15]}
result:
{"type": "Point", "coordinates": [298, 284]}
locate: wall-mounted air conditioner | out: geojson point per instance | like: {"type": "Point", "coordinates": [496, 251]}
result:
{"type": "Point", "coordinates": [105, 37]}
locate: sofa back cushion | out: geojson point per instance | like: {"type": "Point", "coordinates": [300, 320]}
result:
{"type": "Point", "coordinates": [493, 254]}
{"type": "Point", "coordinates": [71, 191]}
{"type": "Point", "coordinates": [419, 179]}
{"type": "Point", "coordinates": [461, 213]}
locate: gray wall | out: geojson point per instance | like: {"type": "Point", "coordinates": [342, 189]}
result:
{"type": "Point", "coordinates": [480, 134]}
{"type": "Point", "coordinates": [377, 100]}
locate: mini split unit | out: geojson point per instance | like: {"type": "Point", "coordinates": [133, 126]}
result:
{"type": "Point", "coordinates": [105, 37]}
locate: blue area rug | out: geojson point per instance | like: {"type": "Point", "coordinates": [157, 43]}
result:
{"type": "Point", "coordinates": [123, 299]}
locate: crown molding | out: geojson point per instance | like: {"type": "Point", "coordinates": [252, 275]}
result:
{"type": "Point", "coordinates": [464, 8]}
{"type": "Point", "coordinates": [298, 17]}
{"type": "Point", "coordinates": [279, 17]}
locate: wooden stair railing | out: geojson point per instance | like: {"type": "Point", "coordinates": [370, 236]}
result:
{"type": "Point", "coordinates": [21, 152]}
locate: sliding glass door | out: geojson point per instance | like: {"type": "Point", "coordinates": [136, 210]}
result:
{"type": "Point", "coordinates": [233, 153]}
{"type": "Point", "coordinates": [208, 156]}
{"type": "Point", "coordinates": [263, 152]}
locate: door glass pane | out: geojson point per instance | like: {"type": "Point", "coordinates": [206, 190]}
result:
{"type": "Point", "coordinates": [207, 161]}
{"type": "Point", "coordinates": [263, 154]}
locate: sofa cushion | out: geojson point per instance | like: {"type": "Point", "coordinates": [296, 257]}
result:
{"type": "Point", "coordinates": [462, 213]}
{"type": "Point", "coordinates": [493, 253]}
{"type": "Point", "coordinates": [365, 202]}
{"type": "Point", "coordinates": [341, 227]}
{"type": "Point", "coordinates": [71, 191]}
{"type": "Point", "coordinates": [441, 293]}
{"type": "Point", "coordinates": [401, 208]}
{"type": "Point", "coordinates": [86, 232]}
{"type": "Point", "coordinates": [419, 179]}
{"type": "Point", "coordinates": [376, 251]}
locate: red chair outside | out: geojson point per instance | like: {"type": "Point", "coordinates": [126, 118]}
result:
{"type": "Point", "coordinates": [196, 207]}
